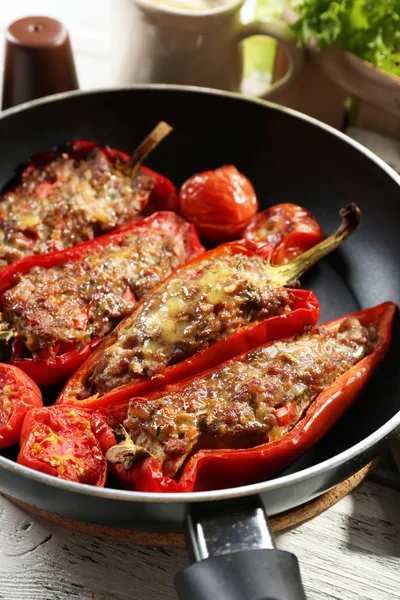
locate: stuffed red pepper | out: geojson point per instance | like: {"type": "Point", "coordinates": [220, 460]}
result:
{"type": "Point", "coordinates": [65, 198]}
{"type": "Point", "coordinates": [250, 417]}
{"type": "Point", "coordinates": [215, 307]}
{"type": "Point", "coordinates": [56, 307]}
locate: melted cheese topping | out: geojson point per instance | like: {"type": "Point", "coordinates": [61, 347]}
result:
{"type": "Point", "coordinates": [67, 202]}
{"type": "Point", "coordinates": [234, 405]}
{"type": "Point", "coordinates": [75, 302]}
{"type": "Point", "coordinates": [198, 307]}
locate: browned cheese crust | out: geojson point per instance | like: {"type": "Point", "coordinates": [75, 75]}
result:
{"type": "Point", "coordinates": [199, 306]}
{"type": "Point", "coordinates": [78, 301]}
{"type": "Point", "coordinates": [67, 202]}
{"type": "Point", "coordinates": [233, 406]}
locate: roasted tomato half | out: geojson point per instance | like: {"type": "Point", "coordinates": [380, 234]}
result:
{"type": "Point", "coordinates": [18, 393]}
{"type": "Point", "coordinates": [63, 441]}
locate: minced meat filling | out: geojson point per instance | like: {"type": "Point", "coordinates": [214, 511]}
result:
{"type": "Point", "coordinates": [233, 406]}
{"type": "Point", "coordinates": [67, 202]}
{"type": "Point", "coordinates": [198, 307]}
{"type": "Point", "coordinates": [78, 301]}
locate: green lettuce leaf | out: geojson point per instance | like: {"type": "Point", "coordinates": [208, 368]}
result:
{"type": "Point", "coordinates": [368, 28]}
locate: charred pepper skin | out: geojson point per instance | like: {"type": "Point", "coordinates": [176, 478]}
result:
{"type": "Point", "coordinates": [222, 468]}
{"type": "Point", "coordinates": [54, 370]}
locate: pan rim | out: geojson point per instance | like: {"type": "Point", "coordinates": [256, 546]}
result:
{"type": "Point", "coordinates": [258, 488]}
{"type": "Point", "coordinates": [206, 91]}
{"type": "Point", "coordinates": [115, 494]}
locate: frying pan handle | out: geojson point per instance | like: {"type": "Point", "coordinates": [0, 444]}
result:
{"type": "Point", "coordinates": [233, 548]}
{"type": "Point", "coordinates": [246, 575]}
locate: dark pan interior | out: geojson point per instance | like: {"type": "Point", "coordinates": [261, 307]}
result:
{"type": "Point", "coordinates": [288, 160]}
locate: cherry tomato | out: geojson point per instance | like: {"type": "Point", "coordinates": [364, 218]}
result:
{"type": "Point", "coordinates": [64, 441]}
{"type": "Point", "coordinates": [18, 393]}
{"type": "Point", "coordinates": [290, 229]}
{"type": "Point", "coordinates": [220, 203]}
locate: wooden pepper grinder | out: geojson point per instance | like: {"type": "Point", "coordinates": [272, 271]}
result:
{"type": "Point", "coordinates": [38, 60]}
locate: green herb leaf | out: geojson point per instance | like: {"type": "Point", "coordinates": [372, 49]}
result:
{"type": "Point", "coordinates": [368, 28]}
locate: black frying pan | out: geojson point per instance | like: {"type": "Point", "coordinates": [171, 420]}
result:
{"type": "Point", "coordinates": [289, 158]}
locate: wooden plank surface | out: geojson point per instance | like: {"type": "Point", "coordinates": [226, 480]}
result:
{"type": "Point", "coordinates": [313, 93]}
{"type": "Point", "coordinates": [374, 118]}
{"type": "Point", "coordinates": [350, 552]}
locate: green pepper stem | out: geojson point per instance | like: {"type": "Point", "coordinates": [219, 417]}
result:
{"type": "Point", "coordinates": [150, 142]}
{"type": "Point", "coordinates": [289, 273]}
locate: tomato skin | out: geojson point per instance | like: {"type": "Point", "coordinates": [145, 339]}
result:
{"type": "Point", "coordinates": [289, 228]}
{"type": "Point", "coordinates": [63, 441]}
{"type": "Point", "coordinates": [24, 395]}
{"type": "Point", "coordinates": [219, 203]}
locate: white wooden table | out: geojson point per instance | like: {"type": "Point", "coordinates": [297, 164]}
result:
{"type": "Point", "coordinates": [350, 552]}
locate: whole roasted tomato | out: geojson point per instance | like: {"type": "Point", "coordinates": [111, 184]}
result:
{"type": "Point", "coordinates": [287, 229]}
{"type": "Point", "coordinates": [219, 203]}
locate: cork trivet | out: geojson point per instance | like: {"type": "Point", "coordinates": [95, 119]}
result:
{"type": "Point", "coordinates": [279, 522]}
